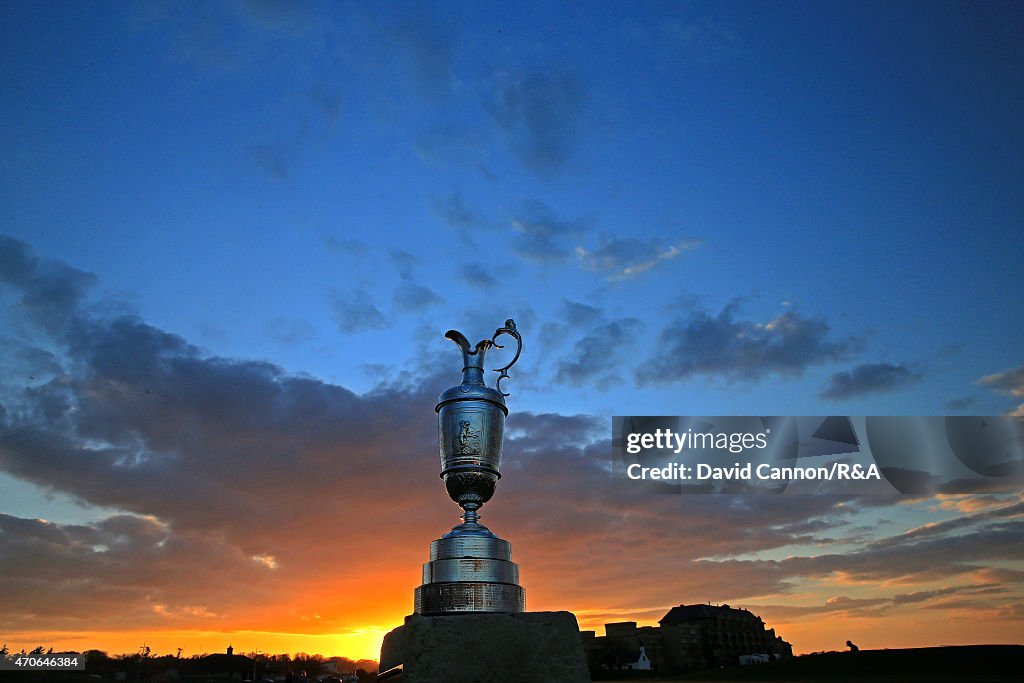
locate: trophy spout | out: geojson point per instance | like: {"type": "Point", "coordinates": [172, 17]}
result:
{"type": "Point", "coordinates": [472, 358]}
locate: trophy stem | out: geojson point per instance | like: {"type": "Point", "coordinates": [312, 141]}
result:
{"type": "Point", "coordinates": [469, 514]}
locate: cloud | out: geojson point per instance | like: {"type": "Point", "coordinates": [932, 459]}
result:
{"type": "Point", "coordinates": [594, 357]}
{"type": "Point", "coordinates": [409, 295]}
{"type": "Point", "coordinates": [427, 50]}
{"type": "Point", "coordinates": [868, 378]}
{"type": "Point", "coordinates": [541, 115]}
{"type": "Point", "coordinates": [541, 236]}
{"type": "Point", "coordinates": [970, 503]}
{"type": "Point", "coordinates": [275, 159]}
{"type": "Point", "coordinates": [347, 246]}
{"type": "Point", "coordinates": [622, 259]}
{"type": "Point", "coordinates": [843, 605]}
{"type": "Point", "coordinates": [576, 313]}
{"type": "Point", "coordinates": [290, 331]}
{"type": "Point", "coordinates": [48, 291]}
{"type": "Point", "coordinates": [457, 214]}
{"type": "Point", "coordinates": [412, 297]}
{"type": "Point", "coordinates": [213, 461]}
{"type": "Point", "coordinates": [477, 276]}
{"type": "Point", "coordinates": [1009, 382]}
{"type": "Point", "coordinates": [736, 350]}
{"type": "Point", "coordinates": [405, 262]}
{"type": "Point", "coordinates": [226, 473]}
{"type": "Point", "coordinates": [846, 603]}
{"type": "Point", "coordinates": [1006, 510]}
{"type": "Point", "coordinates": [925, 560]}
{"type": "Point", "coordinates": [922, 596]}
{"type": "Point", "coordinates": [957, 404]}
{"type": "Point", "coordinates": [225, 461]}
{"type": "Point", "coordinates": [354, 312]}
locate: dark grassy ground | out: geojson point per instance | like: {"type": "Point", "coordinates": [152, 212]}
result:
{"type": "Point", "coordinates": [967, 664]}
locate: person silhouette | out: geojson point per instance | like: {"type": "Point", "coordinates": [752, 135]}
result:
{"type": "Point", "coordinates": [853, 648]}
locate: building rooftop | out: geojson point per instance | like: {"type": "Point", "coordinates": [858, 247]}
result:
{"type": "Point", "coordinates": [684, 613]}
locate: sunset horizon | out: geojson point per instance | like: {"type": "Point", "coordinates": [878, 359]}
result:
{"type": "Point", "coordinates": [364, 642]}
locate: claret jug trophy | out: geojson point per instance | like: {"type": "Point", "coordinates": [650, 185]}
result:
{"type": "Point", "coordinates": [470, 622]}
{"type": "Point", "coordinates": [470, 568]}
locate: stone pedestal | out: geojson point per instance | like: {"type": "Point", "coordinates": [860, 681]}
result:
{"type": "Point", "coordinates": [540, 647]}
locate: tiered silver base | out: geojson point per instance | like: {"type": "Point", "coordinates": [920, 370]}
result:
{"type": "Point", "coordinates": [470, 570]}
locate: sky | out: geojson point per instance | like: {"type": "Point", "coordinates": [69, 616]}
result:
{"type": "Point", "coordinates": [233, 234]}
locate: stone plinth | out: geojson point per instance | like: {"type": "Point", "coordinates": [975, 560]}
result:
{"type": "Point", "coordinates": [540, 647]}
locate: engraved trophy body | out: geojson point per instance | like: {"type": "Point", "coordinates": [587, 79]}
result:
{"type": "Point", "coordinates": [470, 568]}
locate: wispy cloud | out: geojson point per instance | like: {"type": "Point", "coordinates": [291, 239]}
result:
{"type": "Point", "coordinates": [410, 296]}
{"type": "Point", "coordinates": [458, 214]}
{"type": "Point", "coordinates": [405, 262]}
{"type": "Point", "coordinates": [288, 331]}
{"type": "Point", "coordinates": [867, 379]}
{"type": "Point", "coordinates": [354, 311]}
{"type": "Point", "coordinates": [478, 276]}
{"type": "Point", "coordinates": [541, 116]}
{"type": "Point", "coordinates": [347, 245]}
{"type": "Point", "coordinates": [423, 42]}
{"type": "Point", "coordinates": [1009, 382]}
{"type": "Point", "coordinates": [723, 345]}
{"type": "Point", "coordinates": [542, 236]}
{"type": "Point", "coordinates": [956, 404]}
{"type": "Point", "coordinates": [576, 313]}
{"type": "Point", "coordinates": [595, 358]}
{"type": "Point", "coordinates": [625, 258]}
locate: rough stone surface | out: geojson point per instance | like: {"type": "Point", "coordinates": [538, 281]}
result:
{"type": "Point", "coordinates": [539, 647]}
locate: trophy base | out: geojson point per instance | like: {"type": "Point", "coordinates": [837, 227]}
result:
{"type": "Point", "coordinates": [468, 597]}
{"type": "Point", "coordinates": [470, 570]}
{"type": "Point", "coordinates": [540, 647]}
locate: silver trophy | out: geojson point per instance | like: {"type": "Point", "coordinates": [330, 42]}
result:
{"type": "Point", "coordinates": [471, 569]}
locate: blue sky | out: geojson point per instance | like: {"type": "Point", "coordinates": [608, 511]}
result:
{"type": "Point", "coordinates": [240, 173]}
{"type": "Point", "coordinates": [688, 208]}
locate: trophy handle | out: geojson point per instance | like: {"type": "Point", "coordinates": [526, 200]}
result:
{"type": "Point", "coordinates": [509, 329]}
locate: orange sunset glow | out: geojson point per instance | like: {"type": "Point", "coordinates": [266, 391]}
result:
{"type": "Point", "coordinates": [336, 589]}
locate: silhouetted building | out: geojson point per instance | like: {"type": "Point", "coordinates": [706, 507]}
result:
{"type": "Point", "coordinates": [218, 667]}
{"type": "Point", "coordinates": [688, 637]}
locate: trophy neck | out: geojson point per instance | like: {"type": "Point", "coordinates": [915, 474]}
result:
{"type": "Point", "coordinates": [473, 368]}
{"type": "Point", "coordinates": [472, 357]}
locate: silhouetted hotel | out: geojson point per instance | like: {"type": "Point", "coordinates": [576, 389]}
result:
{"type": "Point", "coordinates": [689, 637]}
